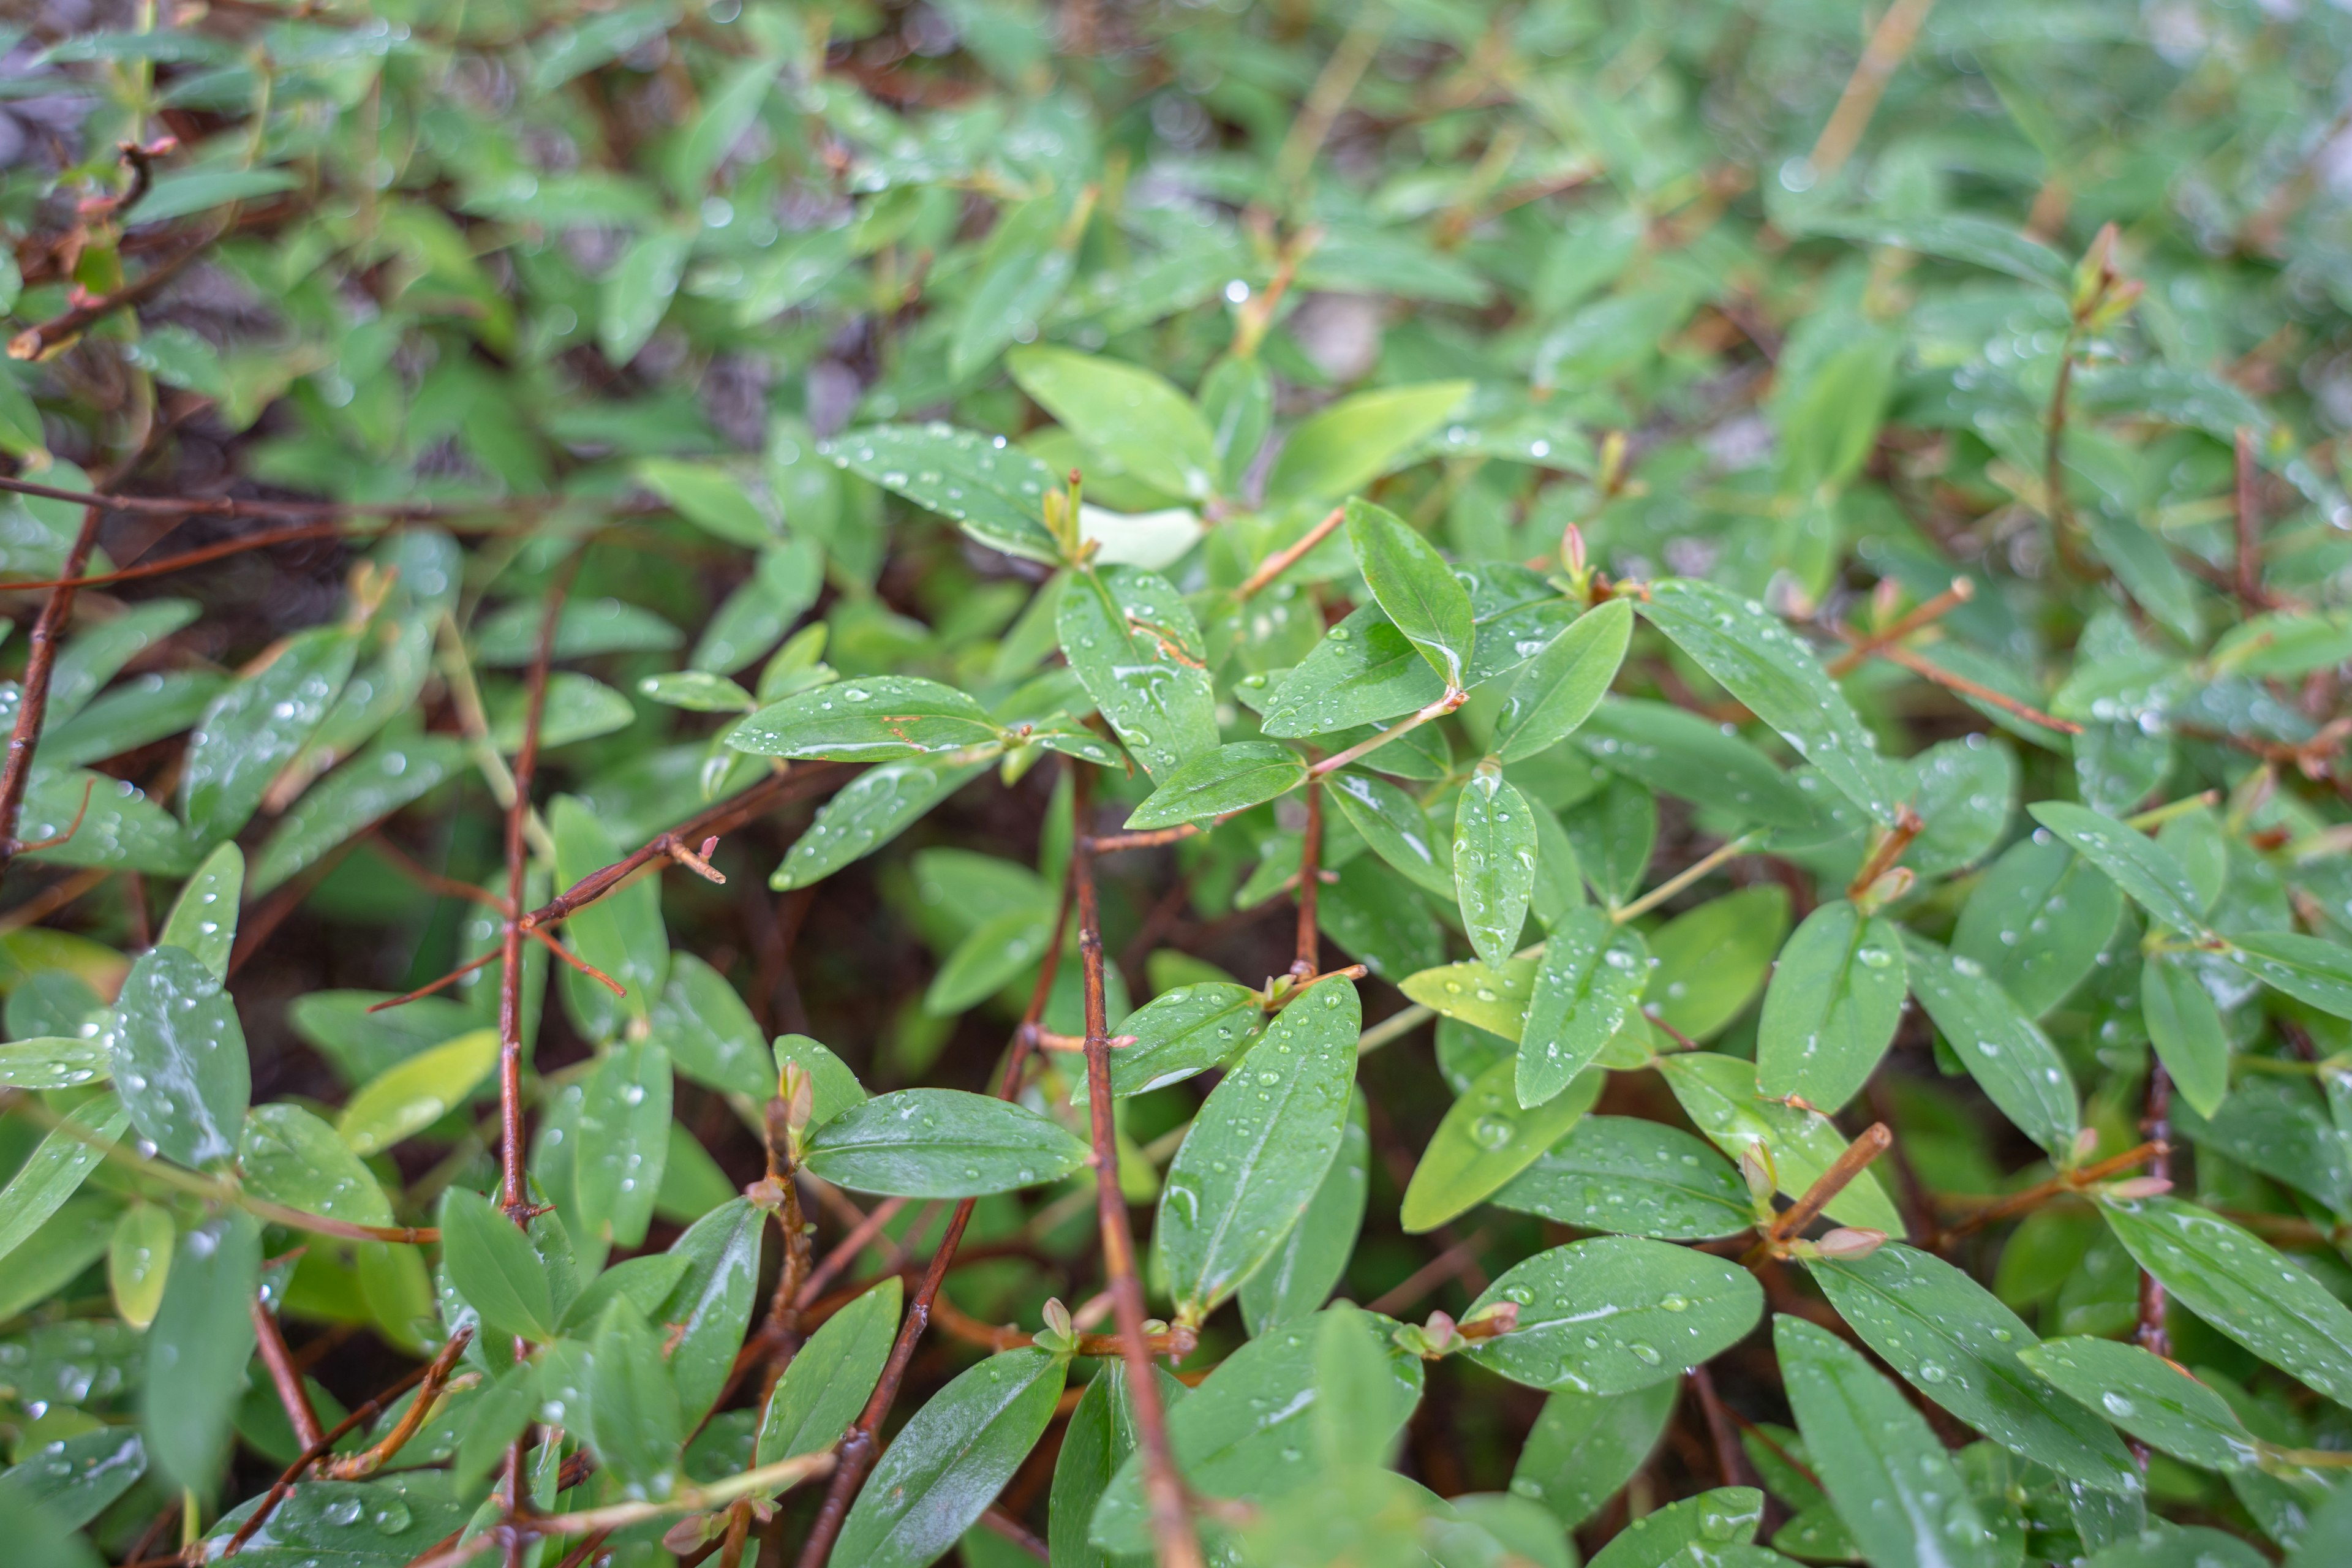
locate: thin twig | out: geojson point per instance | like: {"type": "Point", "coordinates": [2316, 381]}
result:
{"type": "Point", "coordinates": [382, 1452]}
{"type": "Point", "coordinates": [1171, 1522]}
{"type": "Point", "coordinates": [1310, 860]}
{"type": "Point", "coordinates": [1855, 1158]}
{"type": "Point", "coordinates": [2041, 1192]}
{"type": "Point", "coordinates": [1890, 41]}
{"type": "Point", "coordinates": [284, 1376]}
{"type": "Point", "coordinates": [1447, 1264]}
{"type": "Point", "coordinates": [1961, 590]}
{"type": "Point", "coordinates": [33, 699]}
{"type": "Point", "coordinates": [1284, 559]}
{"type": "Point", "coordinates": [1967, 688]}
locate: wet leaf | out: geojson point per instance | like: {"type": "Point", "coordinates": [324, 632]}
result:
{"type": "Point", "coordinates": [2037, 921]}
{"type": "Point", "coordinates": [1585, 1445]}
{"type": "Point", "coordinates": [73, 1480]}
{"type": "Point", "coordinates": [57, 1168]}
{"type": "Point", "coordinates": [412, 1095]}
{"type": "Point", "coordinates": [867, 720]}
{"type": "Point", "coordinates": [711, 1035]}
{"type": "Point", "coordinates": [1633, 1177]}
{"type": "Point", "coordinates": [1890, 1479]}
{"type": "Point", "coordinates": [203, 920]}
{"type": "Point", "coordinates": [1954, 1342]}
{"type": "Point", "coordinates": [2305, 967]}
{"type": "Point", "coordinates": [1831, 1010]}
{"type": "Point", "coordinates": [1494, 862]}
{"type": "Point", "coordinates": [1674, 753]}
{"type": "Point", "coordinates": [1258, 1150]}
{"type": "Point", "coordinates": [2148, 1396]}
{"type": "Point", "coordinates": [710, 1306]}
{"type": "Point", "coordinates": [834, 1089]}
{"type": "Point", "coordinates": [139, 1262]}
{"type": "Point", "coordinates": [623, 1142]}
{"type": "Point", "coordinates": [1707, 964]}
{"type": "Point", "coordinates": [2005, 1051]}
{"type": "Point", "coordinates": [998, 951]}
{"type": "Point", "coordinates": [1219, 783]}
{"type": "Point", "coordinates": [1127, 413]}
{"type": "Point", "coordinates": [491, 1262]}
{"type": "Point", "coordinates": [941, 1143]}
{"type": "Point", "coordinates": [2142, 868]}
{"type": "Point", "coordinates": [825, 1387]}
{"type": "Point", "coordinates": [1415, 588]}
{"type": "Point", "coordinates": [2185, 1027]}
{"type": "Point", "coordinates": [1309, 1264]}
{"type": "Point", "coordinates": [1097, 1442]}
{"type": "Point", "coordinates": [290, 1156]}
{"type": "Point", "coordinates": [868, 812]}
{"type": "Point", "coordinates": [1613, 832]}
{"type": "Point", "coordinates": [197, 1349]}
{"type": "Point", "coordinates": [995, 492]}
{"type": "Point", "coordinates": [1398, 831]}
{"type": "Point", "coordinates": [258, 725]}
{"type": "Point", "coordinates": [1616, 1313]}
{"type": "Point", "coordinates": [180, 1058]}
{"type": "Point", "coordinates": [1358, 439]}
{"type": "Point", "coordinates": [1182, 1032]}
{"type": "Point", "coordinates": [576, 709]}
{"type": "Point", "coordinates": [1719, 1094]}
{"type": "Point", "coordinates": [1558, 688]}
{"type": "Point", "coordinates": [1586, 982]}
{"type": "Point", "coordinates": [1136, 647]}
{"type": "Point", "coordinates": [1494, 1000]}
{"type": "Point", "coordinates": [1486, 1139]}
{"type": "Point", "coordinates": [633, 1421]}
{"type": "Point", "coordinates": [947, 1463]}
{"type": "Point", "coordinates": [393, 772]}
{"type": "Point", "coordinates": [1701, 1532]}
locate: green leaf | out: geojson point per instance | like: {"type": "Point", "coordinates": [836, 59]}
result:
{"type": "Point", "coordinates": [577, 708]}
{"type": "Point", "coordinates": [1136, 648]}
{"type": "Point", "coordinates": [132, 714]}
{"type": "Point", "coordinates": [72, 1479]}
{"type": "Point", "coordinates": [491, 1262]}
{"type": "Point", "coordinates": [711, 1035]}
{"type": "Point", "coordinates": [720, 120]}
{"type": "Point", "coordinates": [352, 1524]}
{"type": "Point", "coordinates": [202, 921]}
{"type": "Point", "coordinates": [647, 1281]}
{"type": "Point", "coordinates": [1696, 1533]}
{"type": "Point", "coordinates": [2138, 864]}
{"type": "Point", "coordinates": [179, 1057]}
{"type": "Point", "coordinates": [1097, 1442]}
{"type": "Point", "coordinates": [584, 629]}
{"type": "Point", "coordinates": [1259, 1148]}
{"type": "Point", "coordinates": [257, 726]}
{"type": "Point", "coordinates": [1182, 1032]}
{"type": "Point", "coordinates": [1683, 756]}
{"type": "Point", "coordinates": [1831, 1010]}
{"type": "Point", "coordinates": [1616, 1313]}
{"type": "Point", "coordinates": [139, 1262]}
{"type": "Point", "coordinates": [2233, 1280]}
{"type": "Point", "coordinates": [998, 949]}
{"type": "Point", "coordinates": [1889, 1478]}
{"type": "Point", "coordinates": [73, 1238]}
{"type": "Point", "coordinates": [2148, 1397]}
{"type": "Point", "coordinates": [1613, 833]}
{"type": "Point", "coordinates": [1312, 1260]}
{"type": "Point", "coordinates": [1127, 413]}
{"type": "Point", "coordinates": [947, 1463]}
{"type": "Point", "coordinates": [634, 1420]}
{"type": "Point", "coordinates": [867, 720]}
{"type": "Point", "coordinates": [1358, 439]}
{"type": "Point", "coordinates": [1953, 1340]}
{"type": "Point", "coordinates": [1586, 982]}
{"type": "Point", "coordinates": [51, 1061]}
{"type": "Point", "coordinates": [1022, 267]}
{"type": "Point", "coordinates": [290, 1156]}
{"type": "Point", "coordinates": [1965, 792]}
{"type": "Point", "coordinates": [995, 492]}
{"type": "Point", "coordinates": [1415, 588]}
{"type": "Point", "coordinates": [1719, 1094]}
{"type": "Point", "coordinates": [1585, 1445]}
{"type": "Point", "coordinates": [57, 1168]}
{"type": "Point", "coordinates": [825, 1387]}
{"type": "Point", "coordinates": [197, 190]}
{"type": "Point", "coordinates": [411, 1096]}
{"type": "Point", "coordinates": [1216, 783]}
{"type": "Point", "coordinates": [709, 496]}
{"type": "Point", "coordinates": [2005, 1051]}
{"type": "Point", "coordinates": [1249, 1430]}
{"type": "Point", "coordinates": [1494, 1000]}
{"type": "Point", "coordinates": [2185, 1026]}
{"type": "Point", "coordinates": [634, 296]}
{"type": "Point", "coordinates": [941, 1143]}
{"type": "Point", "coordinates": [393, 770]}
{"type": "Point", "coordinates": [2037, 921]}
{"type": "Point", "coordinates": [1485, 1141]}
{"type": "Point", "coordinates": [1632, 1177]}
{"type": "Point", "coordinates": [834, 1089]}
{"type": "Point", "coordinates": [1759, 661]}
{"type": "Point", "coordinates": [1494, 862]}
{"type": "Point", "coordinates": [121, 830]}
{"type": "Point", "coordinates": [1707, 964]}
{"type": "Point", "coordinates": [623, 1142]}
{"type": "Point", "coordinates": [494, 1419]}
{"type": "Point", "coordinates": [1558, 688]}
{"type": "Point", "coordinates": [868, 812]}
{"type": "Point", "coordinates": [697, 692]}
{"type": "Point", "coordinates": [711, 1305]}
{"type": "Point", "coordinates": [197, 1349]}
{"type": "Point", "coordinates": [2305, 967]}
{"type": "Point", "coordinates": [1396, 827]}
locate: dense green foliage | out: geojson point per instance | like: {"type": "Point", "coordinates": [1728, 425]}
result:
{"type": "Point", "coordinates": [1661, 688]}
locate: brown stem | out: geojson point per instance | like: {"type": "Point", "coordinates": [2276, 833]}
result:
{"type": "Point", "coordinates": [2249, 560]}
{"type": "Point", "coordinates": [1856, 1158]}
{"type": "Point", "coordinates": [1982, 693]}
{"type": "Point", "coordinates": [1283, 560]}
{"type": "Point", "coordinates": [999, 1522]}
{"type": "Point", "coordinates": [1889, 851]}
{"type": "Point", "coordinates": [1447, 1264]}
{"type": "Point", "coordinates": [1171, 1522]}
{"type": "Point", "coordinates": [1731, 1463]}
{"type": "Point", "coordinates": [861, 1445]}
{"type": "Point", "coordinates": [1310, 859]}
{"type": "Point", "coordinates": [32, 703]}
{"type": "Point", "coordinates": [2041, 1192]}
{"type": "Point", "coordinates": [284, 1376]}
{"type": "Point", "coordinates": [1890, 41]}
{"type": "Point", "coordinates": [1853, 658]}
{"type": "Point", "coordinates": [382, 1452]}
{"type": "Point", "coordinates": [848, 1249]}
{"type": "Point", "coordinates": [1112, 843]}
{"type": "Point", "coordinates": [2156, 1126]}
{"type": "Point", "coordinates": [368, 1411]}
{"type": "Point", "coordinates": [781, 1330]}
{"type": "Point", "coordinates": [34, 342]}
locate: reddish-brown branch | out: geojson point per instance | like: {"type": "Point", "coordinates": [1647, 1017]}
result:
{"type": "Point", "coordinates": [1311, 862]}
{"type": "Point", "coordinates": [382, 1452]}
{"type": "Point", "coordinates": [845, 1250]}
{"type": "Point", "coordinates": [2041, 1192]}
{"type": "Point", "coordinates": [1171, 1522]}
{"type": "Point", "coordinates": [284, 1376]}
{"type": "Point", "coordinates": [861, 1445]}
{"type": "Point", "coordinates": [430, 986]}
{"type": "Point", "coordinates": [35, 341]}
{"type": "Point", "coordinates": [1935, 609]}
{"type": "Point", "coordinates": [2156, 1128]}
{"type": "Point", "coordinates": [1112, 843]}
{"type": "Point", "coordinates": [1447, 1264]}
{"type": "Point", "coordinates": [1855, 1158]}
{"type": "Point", "coordinates": [575, 960]}
{"type": "Point", "coordinates": [1283, 560]}
{"type": "Point", "coordinates": [1981, 693]}
{"type": "Point", "coordinates": [32, 698]}
{"type": "Point", "coordinates": [1730, 1461]}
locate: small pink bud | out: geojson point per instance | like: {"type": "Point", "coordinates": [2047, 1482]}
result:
{"type": "Point", "coordinates": [2086, 1141]}
{"type": "Point", "coordinates": [2140, 1187]}
{"type": "Point", "coordinates": [1849, 1242]}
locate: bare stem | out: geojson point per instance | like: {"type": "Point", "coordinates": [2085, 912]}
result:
{"type": "Point", "coordinates": [1284, 559]}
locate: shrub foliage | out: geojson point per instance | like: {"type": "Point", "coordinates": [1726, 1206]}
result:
{"type": "Point", "coordinates": [1393, 783]}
